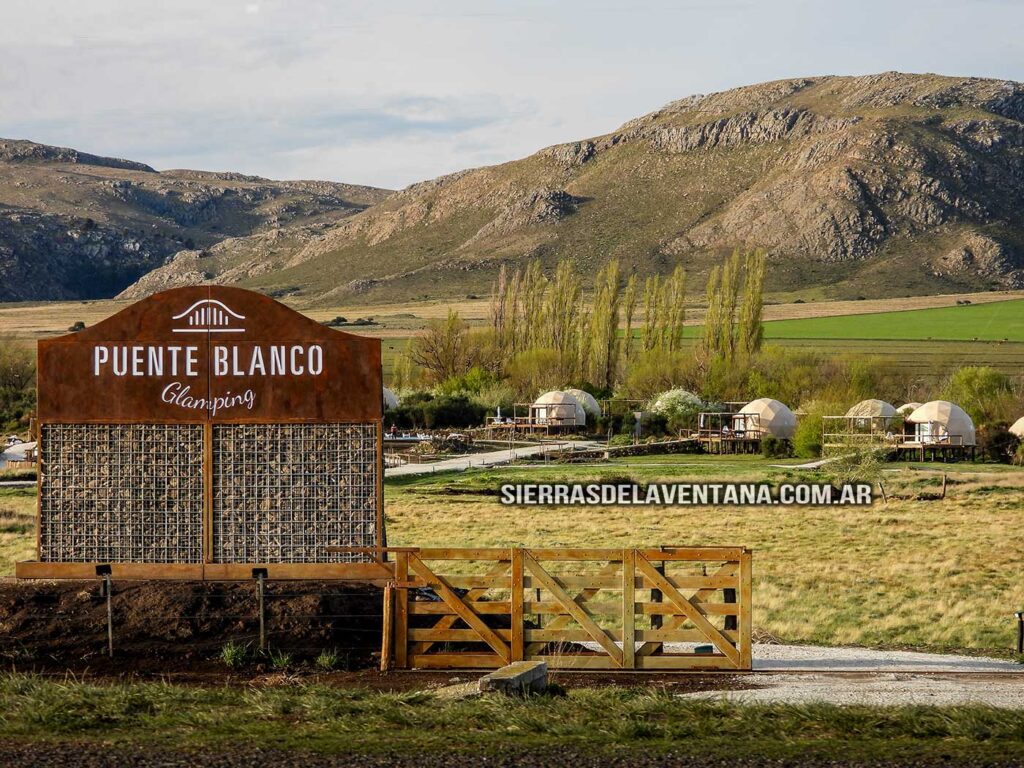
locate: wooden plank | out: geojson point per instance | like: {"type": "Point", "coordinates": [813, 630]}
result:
{"type": "Point", "coordinates": [692, 553]}
{"type": "Point", "coordinates": [479, 581]}
{"type": "Point", "coordinates": [516, 600]}
{"type": "Point", "coordinates": [745, 622]}
{"type": "Point", "coordinates": [118, 571]}
{"type": "Point", "coordinates": [685, 661]}
{"type": "Point", "coordinates": [457, 661]}
{"type": "Point", "coordinates": [378, 573]}
{"type": "Point", "coordinates": [686, 609]}
{"type": "Point", "coordinates": [679, 662]}
{"type": "Point", "coordinates": [444, 591]}
{"type": "Point", "coordinates": [575, 610]}
{"type": "Point", "coordinates": [611, 608]}
{"type": "Point", "coordinates": [663, 635]}
{"type": "Point", "coordinates": [583, 554]}
{"type": "Point", "coordinates": [628, 609]}
{"type": "Point", "coordinates": [462, 553]}
{"type": "Point", "coordinates": [388, 629]}
{"type": "Point", "coordinates": [578, 661]}
{"type": "Point", "coordinates": [402, 612]}
{"type": "Point", "coordinates": [595, 581]}
{"type": "Point", "coordinates": [430, 608]}
{"type": "Point", "coordinates": [431, 635]}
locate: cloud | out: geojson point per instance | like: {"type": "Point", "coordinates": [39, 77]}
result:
{"type": "Point", "coordinates": [391, 93]}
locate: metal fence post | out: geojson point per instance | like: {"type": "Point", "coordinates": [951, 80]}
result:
{"type": "Point", "coordinates": [260, 574]}
{"type": "Point", "coordinates": [107, 590]}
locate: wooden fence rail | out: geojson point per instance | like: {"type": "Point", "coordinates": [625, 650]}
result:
{"type": "Point", "coordinates": [649, 608]}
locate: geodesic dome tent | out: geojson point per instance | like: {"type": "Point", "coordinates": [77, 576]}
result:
{"type": "Point", "coordinates": [1017, 428]}
{"type": "Point", "coordinates": [772, 418]}
{"type": "Point", "coordinates": [907, 408]}
{"type": "Point", "coordinates": [942, 422]}
{"type": "Point", "coordinates": [390, 399]}
{"type": "Point", "coordinates": [591, 408]}
{"type": "Point", "coordinates": [558, 408]}
{"type": "Point", "coordinates": [871, 409]}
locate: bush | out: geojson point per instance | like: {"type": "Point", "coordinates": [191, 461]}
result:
{"type": "Point", "coordinates": [472, 382]}
{"type": "Point", "coordinates": [997, 444]}
{"type": "Point", "coordinates": [985, 393]}
{"type": "Point", "coordinates": [422, 410]}
{"type": "Point", "coordinates": [679, 408]}
{"type": "Point", "coordinates": [775, 448]}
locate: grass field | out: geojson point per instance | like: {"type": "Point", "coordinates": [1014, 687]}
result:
{"type": "Point", "coordinates": [997, 321]}
{"type": "Point", "coordinates": [625, 726]}
{"type": "Point", "coordinates": [937, 574]}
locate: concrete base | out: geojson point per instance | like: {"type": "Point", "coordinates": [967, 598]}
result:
{"type": "Point", "coordinates": [517, 678]}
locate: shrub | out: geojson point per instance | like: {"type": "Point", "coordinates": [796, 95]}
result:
{"type": "Point", "coordinates": [985, 393]}
{"type": "Point", "coordinates": [679, 408]}
{"type": "Point", "coordinates": [997, 444]}
{"type": "Point", "coordinates": [775, 448]}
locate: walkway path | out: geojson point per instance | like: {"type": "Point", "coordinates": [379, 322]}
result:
{"type": "Point", "coordinates": [491, 458]}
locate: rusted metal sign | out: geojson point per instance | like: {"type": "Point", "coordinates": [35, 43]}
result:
{"type": "Point", "coordinates": [204, 431]}
{"type": "Point", "coordinates": [209, 354]}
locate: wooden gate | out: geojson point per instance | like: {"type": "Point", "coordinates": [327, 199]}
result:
{"type": "Point", "coordinates": [658, 608]}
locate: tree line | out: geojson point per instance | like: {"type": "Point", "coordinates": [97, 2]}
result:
{"type": "Point", "coordinates": [540, 332]}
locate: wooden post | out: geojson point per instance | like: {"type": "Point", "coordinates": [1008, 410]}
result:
{"type": "Point", "coordinates": [388, 627]}
{"type": "Point", "coordinates": [516, 605]}
{"type": "Point", "coordinates": [628, 609]}
{"type": "Point", "coordinates": [746, 614]}
{"type": "Point", "coordinates": [402, 611]}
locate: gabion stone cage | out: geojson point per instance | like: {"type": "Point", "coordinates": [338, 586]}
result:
{"type": "Point", "coordinates": [134, 493]}
{"type": "Point", "coordinates": [121, 493]}
{"type": "Point", "coordinates": [283, 493]}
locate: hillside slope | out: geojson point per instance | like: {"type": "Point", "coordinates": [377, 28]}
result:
{"type": "Point", "coordinates": [79, 226]}
{"type": "Point", "coordinates": [883, 185]}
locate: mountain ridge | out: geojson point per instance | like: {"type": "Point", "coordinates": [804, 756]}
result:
{"type": "Point", "coordinates": [877, 185]}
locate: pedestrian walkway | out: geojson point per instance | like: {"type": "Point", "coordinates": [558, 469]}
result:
{"type": "Point", "coordinates": [491, 458]}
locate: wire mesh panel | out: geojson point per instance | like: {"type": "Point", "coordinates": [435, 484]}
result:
{"type": "Point", "coordinates": [129, 493]}
{"type": "Point", "coordinates": [283, 493]}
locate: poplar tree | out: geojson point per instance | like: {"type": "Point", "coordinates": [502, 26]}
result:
{"type": "Point", "coordinates": [629, 307]}
{"type": "Point", "coordinates": [751, 330]}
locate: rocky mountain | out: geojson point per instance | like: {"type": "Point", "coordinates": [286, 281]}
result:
{"type": "Point", "coordinates": [79, 226]}
{"type": "Point", "coordinates": [883, 185]}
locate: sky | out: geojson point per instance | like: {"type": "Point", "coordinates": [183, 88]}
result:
{"type": "Point", "coordinates": [388, 93]}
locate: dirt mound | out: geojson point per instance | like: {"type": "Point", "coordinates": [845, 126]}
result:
{"type": "Point", "coordinates": [168, 626]}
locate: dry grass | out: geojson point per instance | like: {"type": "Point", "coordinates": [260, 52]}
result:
{"type": "Point", "coordinates": [916, 573]}
{"type": "Point", "coordinates": [17, 527]}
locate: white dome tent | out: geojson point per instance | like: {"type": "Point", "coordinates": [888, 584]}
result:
{"type": "Point", "coordinates": [557, 409]}
{"type": "Point", "coordinates": [940, 422]}
{"type": "Point", "coordinates": [390, 399]}
{"type": "Point", "coordinates": [588, 404]}
{"type": "Point", "coordinates": [871, 409]}
{"type": "Point", "coordinates": [1017, 428]}
{"type": "Point", "coordinates": [908, 408]}
{"type": "Point", "coordinates": [771, 418]}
